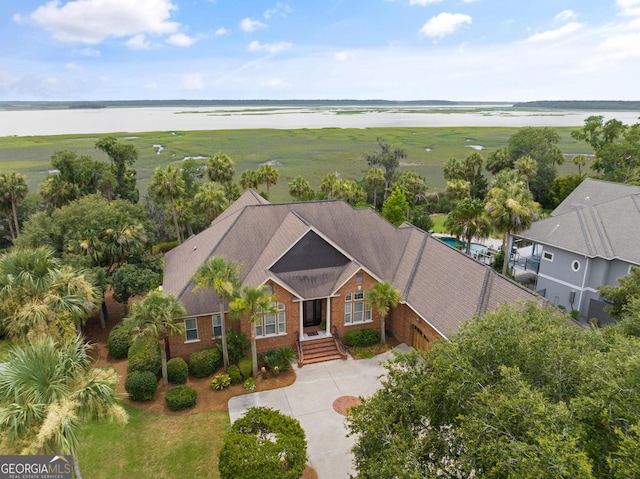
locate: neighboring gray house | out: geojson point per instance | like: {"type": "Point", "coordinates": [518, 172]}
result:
{"type": "Point", "coordinates": [592, 238]}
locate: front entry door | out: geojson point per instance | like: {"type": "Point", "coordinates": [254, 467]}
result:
{"type": "Point", "coordinates": [312, 313]}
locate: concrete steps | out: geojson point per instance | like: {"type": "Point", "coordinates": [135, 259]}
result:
{"type": "Point", "coordinates": [319, 350]}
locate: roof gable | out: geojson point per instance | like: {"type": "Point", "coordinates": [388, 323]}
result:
{"type": "Point", "coordinates": [310, 252]}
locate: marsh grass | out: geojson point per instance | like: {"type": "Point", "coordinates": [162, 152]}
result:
{"type": "Point", "coordinates": [153, 445]}
{"type": "Point", "coordinates": [309, 152]}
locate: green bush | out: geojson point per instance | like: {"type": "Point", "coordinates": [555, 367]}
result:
{"type": "Point", "coordinates": [249, 384]}
{"type": "Point", "coordinates": [237, 345]}
{"type": "Point", "coordinates": [246, 367]}
{"type": "Point", "coordinates": [205, 362]}
{"type": "Point", "coordinates": [177, 371]}
{"type": "Point", "coordinates": [247, 455]}
{"type": "Point", "coordinates": [234, 373]}
{"type": "Point", "coordinates": [362, 337]}
{"type": "Point", "coordinates": [119, 341]}
{"type": "Point", "coordinates": [141, 385]}
{"type": "Point", "coordinates": [144, 355]}
{"type": "Point", "coordinates": [181, 397]}
{"type": "Point", "coordinates": [220, 382]}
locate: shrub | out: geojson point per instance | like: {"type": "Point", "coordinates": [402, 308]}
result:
{"type": "Point", "coordinates": [287, 355]}
{"type": "Point", "coordinates": [234, 373]}
{"type": "Point", "coordinates": [220, 382]}
{"type": "Point", "coordinates": [362, 337]}
{"type": "Point", "coordinates": [575, 314]}
{"type": "Point", "coordinates": [180, 398]}
{"type": "Point", "coordinates": [246, 367]}
{"type": "Point", "coordinates": [119, 341]}
{"type": "Point", "coordinates": [237, 345]}
{"type": "Point", "coordinates": [246, 454]}
{"type": "Point", "coordinates": [177, 371]}
{"type": "Point", "coordinates": [141, 385]}
{"type": "Point", "coordinates": [144, 355]}
{"type": "Point", "coordinates": [205, 362]}
{"type": "Point", "coordinates": [249, 384]}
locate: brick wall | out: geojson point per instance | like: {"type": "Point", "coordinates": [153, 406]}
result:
{"type": "Point", "coordinates": [337, 306]}
{"type": "Point", "coordinates": [401, 322]}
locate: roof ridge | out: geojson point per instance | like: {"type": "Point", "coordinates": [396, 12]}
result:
{"type": "Point", "coordinates": [585, 231]}
{"type": "Point", "coordinates": [412, 275]}
{"type": "Point", "coordinates": [602, 233]}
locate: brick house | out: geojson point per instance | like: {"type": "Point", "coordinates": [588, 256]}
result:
{"type": "Point", "coordinates": [319, 258]}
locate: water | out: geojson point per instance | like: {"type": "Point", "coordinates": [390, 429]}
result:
{"type": "Point", "coordinates": [100, 121]}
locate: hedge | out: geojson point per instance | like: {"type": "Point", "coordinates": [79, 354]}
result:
{"type": "Point", "coordinates": [246, 367]}
{"type": "Point", "coordinates": [362, 337]}
{"type": "Point", "coordinates": [181, 397]}
{"type": "Point", "coordinates": [119, 341]}
{"type": "Point", "coordinates": [247, 454]}
{"type": "Point", "coordinates": [234, 373]}
{"type": "Point", "coordinates": [177, 371]}
{"type": "Point", "coordinates": [141, 385]}
{"type": "Point", "coordinates": [144, 355]}
{"type": "Point", "coordinates": [205, 362]}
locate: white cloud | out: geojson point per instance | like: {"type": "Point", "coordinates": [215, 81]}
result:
{"type": "Point", "coordinates": [423, 3]}
{"type": "Point", "coordinates": [629, 7]}
{"type": "Point", "coordinates": [7, 79]}
{"type": "Point", "coordinates": [621, 47]}
{"type": "Point", "coordinates": [180, 40]}
{"type": "Point", "coordinates": [138, 42]}
{"type": "Point", "coordinates": [556, 34]}
{"type": "Point", "coordinates": [565, 15]}
{"type": "Point", "coordinates": [193, 81]}
{"type": "Point", "coordinates": [73, 66]}
{"type": "Point", "coordinates": [222, 31]}
{"type": "Point", "coordinates": [469, 1]}
{"type": "Point", "coordinates": [88, 52]}
{"type": "Point", "coordinates": [444, 24]}
{"type": "Point", "coordinates": [249, 25]}
{"type": "Point", "coordinates": [92, 21]}
{"type": "Point", "coordinates": [345, 55]}
{"type": "Point", "coordinates": [151, 85]}
{"type": "Point", "coordinates": [277, 83]}
{"type": "Point", "coordinates": [271, 48]}
{"type": "Point", "coordinates": [281, 8]}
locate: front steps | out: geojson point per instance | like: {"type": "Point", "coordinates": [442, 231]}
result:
{"type": "Point", "coordinates": [319, 350]}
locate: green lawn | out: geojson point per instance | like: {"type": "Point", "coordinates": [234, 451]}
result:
{"type": "Point", "coordinates": [154, 446]}
{"type": "Point", "coordinates": [438, 223]}
{"type": "Point", "coordinates": [309, 152]}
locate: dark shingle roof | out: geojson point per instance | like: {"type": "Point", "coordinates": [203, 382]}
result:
{"type": "Point", "coordinates": [443, 285]}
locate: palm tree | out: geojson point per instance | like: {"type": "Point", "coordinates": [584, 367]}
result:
{"type": "Point", "coordinates": [268, 175]}
{"type": "Point", "coordinates": [48, 390]}
{"type": "Point", "coordinates": [154, 316]}
{"type": "Point", "coordinates": [222, 276]}
{"type": "Point", "coordinates": [467, 219]}
{"type": "Point", "coordinates": [168, 184]}
{"type": "Point", "coordinates": [40, 296]}
{"type": "Point", "coordinates": [328, 184]}
{"type": "Point", "coordinates": [300, 189]}
{"type": "Point", "coordinates": [580, 161]}
{"type": "Point", "coordinates": [220, 168]}
{"type": "Point", "coordinates": [375, 178]}
{"type": "Point", "coordinates": [252, 303]}
{"type": "Point", "coordinates": [13, 189]}
{"type": "Point", "coordinates": [382, 297]}
{"type": "Point", "coordinates": [510, 209]}
{"type": "Point", "coordinates": [249, 179]}
{"type": "Point", "coordinates": [526, 167]}
{"type": "Point", "coordinates": [57, 192]}
{"type": "Point", "coordinates": [210, 201]}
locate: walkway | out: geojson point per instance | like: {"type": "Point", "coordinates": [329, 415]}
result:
{"type": "Point", "coordinates": [310, 400]}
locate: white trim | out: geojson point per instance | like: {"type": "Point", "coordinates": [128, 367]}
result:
{"type": "Point", "coordinates": [564, 283]}
{"type": "Point", "coordinates": [195, 321]}
{"type": "Point", "coordinates": [544, 257]}
{"type": "Point", "coordinates": [573, 263]}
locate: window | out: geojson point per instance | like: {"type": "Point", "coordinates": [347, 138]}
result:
{"type": "Point", "coordinates": [191, 329]}
{"type": "Point", "coordinates": [216, 325]}
{"type": "Point", "coordinates": [272, 323]}
{"type": "Point", "coordinates": [548, 256]}
{"type": "Point", "coordinates": [356, 309]}
{"type": "Point", "coordinates": [575, 265]}
{"type": "Point", "coordinates": [358, 278]}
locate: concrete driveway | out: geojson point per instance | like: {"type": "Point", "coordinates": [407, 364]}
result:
{"type": "Point", "coordinates": [310, 400]}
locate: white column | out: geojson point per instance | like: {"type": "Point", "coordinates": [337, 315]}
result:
{"type": "Point", "coordinates": [301, 321]}
{"type": "Point", "coordinates": [328, 321]}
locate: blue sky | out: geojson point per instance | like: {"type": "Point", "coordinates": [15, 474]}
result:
{"type": "Point", "coordinates": [488, 50]}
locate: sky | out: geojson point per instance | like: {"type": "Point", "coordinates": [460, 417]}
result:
{"type": "Point", "coordinates": [459, 50]}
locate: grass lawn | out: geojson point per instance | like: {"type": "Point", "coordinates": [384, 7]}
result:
{"type": "Point", "coordinates": [153, 445]}
{"type": "Point", "coordinates": [438, 223]}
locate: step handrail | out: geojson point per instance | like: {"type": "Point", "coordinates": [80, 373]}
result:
{"type": "Point", "coordinates": [299, 351]}
{"type": "Point", "coordinates": [342, 349]}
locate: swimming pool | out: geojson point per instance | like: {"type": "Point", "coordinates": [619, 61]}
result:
{"type": "Point", "coordinates": [475, 247]}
